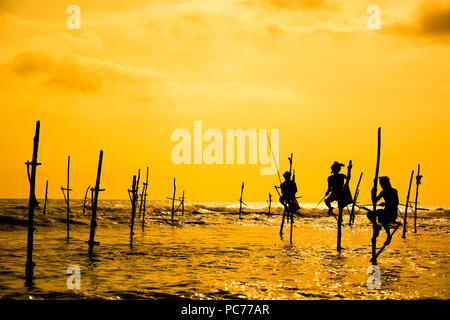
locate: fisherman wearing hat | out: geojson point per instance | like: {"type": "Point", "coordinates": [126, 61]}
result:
{"type": "Point", "coordinates": [389, 213]}
{"type": "Point", "coordinates": [335, 189]}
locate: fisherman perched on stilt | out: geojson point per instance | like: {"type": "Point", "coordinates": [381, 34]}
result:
{"type": "Point", "coordinates": [388, 214]}
{"type": "Point", "coordinates": [288, 200]}
{"type": "Point", "coordinates": [288, 191]}
{"type": "Point", "coordinates": [338, 187]}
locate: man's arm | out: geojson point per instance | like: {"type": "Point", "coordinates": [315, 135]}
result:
{"type": "Point", "coordinates": [329, 187]}
{"type": "Point", "coordinates": [374, 196]}
{"type": "Point", "coordinates": [380, 196]}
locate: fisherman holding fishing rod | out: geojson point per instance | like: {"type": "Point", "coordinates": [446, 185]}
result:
{"type": "Point", "coordinates": [287, 197]}
{"type": "Point", "coordinates": [288, 190]}
{"type": "Point", "coordinates": [338, 189]}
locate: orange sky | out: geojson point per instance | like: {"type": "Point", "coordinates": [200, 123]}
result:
{"type": "Point", "coordinates": [138, 70]}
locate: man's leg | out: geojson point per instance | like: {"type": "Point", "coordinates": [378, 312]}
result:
{"type": "Point", "coordinates": [388, 233]}
{"type": "Point", "coordinates": [328, 204]}
{"type": "Point", "coordinates": [372, 216]}
{"type": "Point", "coordinates": [341, 212]}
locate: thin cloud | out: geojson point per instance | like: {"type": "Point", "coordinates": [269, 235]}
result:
{"type": "Point", "coordinates": [436, 22]}
{"type": "Point", "coordinates": [293, 4]}
{"type": "Point", "coordinates": [75, 73]}
{"type": "Point", "coordinates": [432, 21]}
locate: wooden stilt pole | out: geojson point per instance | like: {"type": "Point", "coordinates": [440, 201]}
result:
{"type": "Point", "coordinates": [46, 197]}
{"type": "Point", "coordinates": [182, 205]}
{"type": "Point", "coordinates": [292, 224]}
{"type": "Point", "coordinates": [84, 202]}
{"type": "Point", "coordinates": [97, 189]}
{"type": "Point", "coordinates": [181, 199]}
{"type": "Point", "coordinates": [137, 188]}
{"type": "Point", "coordinates": [340, 219]}
{"type": "Point", "coordinates": [385, 244]}
{"type": "Point", "coordinates": [240, 201]}
{"type": "Point", "coordinates": [133, 195]}
{"type": "Point", "coordinates": [67, 196]}
{"type": "Point", "coordinates": [144, 196]}
{"type": "Point", "coordinates": [290, 165]}
{"type": "Point", "coordinates": [406, 207]}
{"type": "Point", "coordinates": [270, 203]}
{"type": "Point", "coordinates": [352, 213]}
{"type": "Point", "coordinates": [282, 220]}
{"type": "Point", "coordinates": [339, 229]}
{"type": "Point", "coordinates": [173, 198]}
{"type": "Point", "coordinates": [92, 196]}
{"type": "Point", "coordinates": [374, 201]}
{"type": "Point", "coordinates": [418, 181]}
{"type": "Point", "coordinates": [29, 266]}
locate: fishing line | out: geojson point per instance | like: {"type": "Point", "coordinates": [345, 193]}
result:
{"type": "Point", "coordinates": [274, 159]}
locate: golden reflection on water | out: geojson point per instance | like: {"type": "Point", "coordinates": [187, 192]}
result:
{"type": "Point", "coordinates": [228, 258]}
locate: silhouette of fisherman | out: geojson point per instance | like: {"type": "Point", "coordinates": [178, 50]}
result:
{"type": "Point", "coordinates": [389, 213]}
{"type": "Point", "coordinates": [336, 190]}
{"type": "Point", "coordinates": [288, 191]}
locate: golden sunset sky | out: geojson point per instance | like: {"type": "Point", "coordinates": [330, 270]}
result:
{"type": "Point", "coordinates": [138, 70]}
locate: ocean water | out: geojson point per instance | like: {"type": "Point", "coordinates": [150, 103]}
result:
{"type": "Point", "coordinates": [209, 253]}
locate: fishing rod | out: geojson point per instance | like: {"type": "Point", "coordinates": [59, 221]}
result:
{"type": "Point", "coordinates": [411, 206]}
{"type": "Point", "coordinates": [318, 204]}
{"type": "Point", "coordinates": [276, 165]}
{"type": "Point", "coordinates": [332, 214]}
{"type": "Point", "coordinates": [274, 159]}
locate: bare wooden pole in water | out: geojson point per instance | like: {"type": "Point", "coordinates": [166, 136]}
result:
{"type": "Point", "coordinates": [270, 203]}
{"type": "Point", "coordinates": [407, 205]}
{"type": "Point", "coordinates": [92, 196]}
{"type": "Point", "coordinates": [67, 196]}
{"type": "Point", "coordinates": [352, 213]}
{"type": "Point", "coordinates": [173, 198]}
{"type": "Point", "coordinates": [418, 181]}
{"type": "Point", "coordinates": [240, 201]}
{"type": "Point", "coordinates": [137, 187]}
{"type": "Point", "coordinates": [84, 202]}
{"type": "Point", "coordinates": [374, 200]}
{"type": "Point", "coordinates": [142, 195]}
{"type": "Point", "coordinates": [29, 266]}
{"type": "Point", "coordinates": [292, 225]}
{"type": "Point", "coordinates": [340, 219]}
{"type": "Point", "coordinates": [46, 196]}
{"type": "Point", "coordinates": [182, 204]}
{"type": "Point", "coordinates": [97, 189]}
{"type": "Point", "coordinates": [132, 194]}
{"type": "Point", "coordinates": [144, 199]}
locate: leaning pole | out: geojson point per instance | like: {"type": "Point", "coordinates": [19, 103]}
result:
{"type": "Point", "coordinates": [374, 200]}
{"type": "Point", "coordinates": [29, 266]}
